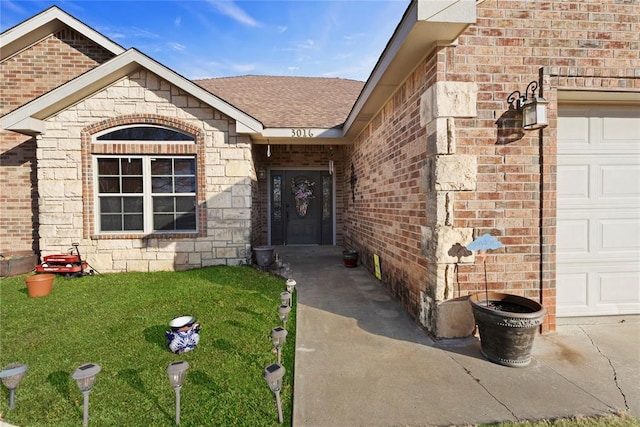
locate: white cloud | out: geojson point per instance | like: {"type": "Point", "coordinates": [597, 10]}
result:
{"type": "Point", "coordinates": [282, 28]}
{"type": "Point", "coordinates": [177, 21]}
{"type": "Point", "coordinates": [230, 9]}
{"type": "Point", "coordinates": [177, 46]}
{"type": "Point", "coordinates": [243, 68]}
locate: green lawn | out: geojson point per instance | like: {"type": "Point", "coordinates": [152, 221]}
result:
{"type": "Point", "coordinates": [119, 321]}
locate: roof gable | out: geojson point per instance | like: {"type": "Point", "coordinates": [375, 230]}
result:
{"type": "Point", "coordinates": [28, 118]}
{"type": "Point", "coordinates": [45, 23]}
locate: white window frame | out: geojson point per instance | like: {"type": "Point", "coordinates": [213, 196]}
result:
{"type": "Point", "coordinates": [147, 195]}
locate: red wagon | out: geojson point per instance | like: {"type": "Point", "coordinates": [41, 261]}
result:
{"type": "Point", "coordinates": [69, 265]}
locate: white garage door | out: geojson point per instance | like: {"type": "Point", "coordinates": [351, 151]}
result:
{"type": "Point", "coordinates": [598, 227]}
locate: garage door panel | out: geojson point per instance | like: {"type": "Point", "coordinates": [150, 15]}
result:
{"type": "Point", "coordinates": [598, 211]}
{"type": "Point", "coordinates": [619, 181]}
{"type": "Point", "coordinates": [621, 287]}
{"type": "Point", "coordinates": [573, 290]}
{"type": "Point", "coordinates": [618, 127]}
{"type": "Point", "coordinates": [620, 235]}
{"type": "Point", "coordinates": [573, 237]}
{"type": "Point", "coordinates": [573, 182]}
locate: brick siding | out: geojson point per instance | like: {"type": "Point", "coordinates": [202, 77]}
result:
{"type": "Point", "coordinates": [23, 77]}
{"type": "Point", "coordinates": [299, 156]}
{"type": "Point", "coordinates": [562, 45]}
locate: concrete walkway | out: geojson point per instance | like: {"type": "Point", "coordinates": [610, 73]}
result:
{"type": "Point", "coordinates": [362, 361]}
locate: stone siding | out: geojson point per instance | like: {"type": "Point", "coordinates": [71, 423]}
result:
{"type": "Point", "coordinates": [46, 64]}
{"type": "Point", "coordinates": [224, 169]}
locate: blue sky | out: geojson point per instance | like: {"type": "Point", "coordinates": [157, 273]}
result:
{"type": "Point", "coordinates": [211, 38]}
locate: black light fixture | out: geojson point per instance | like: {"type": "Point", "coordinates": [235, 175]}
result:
{"type": "Point", "coordinates": [11, 376]}
{"type": "Point", "coordinates": [533, 107]}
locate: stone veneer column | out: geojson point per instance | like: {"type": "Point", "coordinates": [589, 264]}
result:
{"type": "Point", "coordinates": [447, 174]}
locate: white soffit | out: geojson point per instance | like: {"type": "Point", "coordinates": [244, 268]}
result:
{"type": "Point", "coordinates": [42, 25]}
{"type": "Point", "coordinates": [598, 96]}
{"type": "Point", "coordinates": [106, 74]}
{"type": "Point", "coordinates": [425, 24]}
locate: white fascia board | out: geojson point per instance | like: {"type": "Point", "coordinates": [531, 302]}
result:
{"type": "Point", "coordinates": [107, 73]}
{"type": "Point", "coordinates": [28, 32]}
{"type": "Point", "coordinates": [461, 11]}
{"type": "Point", "coordinates": [28, 126]}
{"type": "Point", "coordinates": [426, 23]}
{"type": "Point", "coordinates": [302, 133]}
{"type": "Point", "coordinates": [308, 136]}
{"type": "Point", "coordinates": [390, 52]}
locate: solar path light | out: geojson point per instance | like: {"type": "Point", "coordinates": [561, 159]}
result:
{"type": "Point", "coordinates": [273, 376]}
{"type": "Point", "coordinates": [283, 313]}
{"type": "Point", "coordinates": [85, 377]}
{"type": "Point", "coordinates": [279, 337]}
{"type": "Point", "coordinates": [285, 298]}
{"type": "Point", "coordinates": [11, 376]}
{"type": "Point", "coordinates": [291, 284]}
{"type": "Point", "coordinates": [177, 371]}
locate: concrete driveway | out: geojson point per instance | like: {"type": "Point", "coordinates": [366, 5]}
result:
{"type": "Point", "coordinates": [362, 361]}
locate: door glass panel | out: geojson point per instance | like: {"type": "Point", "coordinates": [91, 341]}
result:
{"type": "Point", "coordinates": [277, 197]}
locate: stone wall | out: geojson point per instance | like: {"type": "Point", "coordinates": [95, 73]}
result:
{"type": "Point", "coordinates": [23, 77]}
{"type": "Point", "coordinates": [65, 174]}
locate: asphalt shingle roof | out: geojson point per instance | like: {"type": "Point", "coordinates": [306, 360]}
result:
{"type": "Point", "coordinates": [283, 101]}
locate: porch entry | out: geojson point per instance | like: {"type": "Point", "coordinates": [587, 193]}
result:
{"type": "Point", "coordinates": [301, 207]}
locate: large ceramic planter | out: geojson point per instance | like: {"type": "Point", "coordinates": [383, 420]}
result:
{"type": "Point", "coordinates": [39, 285]}
{"type": "Point", "coordinates": [264, 255]}
{"type": "Point", "coordinates": [507, 326]}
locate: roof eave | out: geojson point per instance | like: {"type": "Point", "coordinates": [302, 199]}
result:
{"type": "Point", "coordinates": [300, 136]}
{"type": "Point", "coordinates": [425, 24]}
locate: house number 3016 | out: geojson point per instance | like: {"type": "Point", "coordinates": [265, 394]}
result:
{"type": "Point", "coordinates": [301, 133]}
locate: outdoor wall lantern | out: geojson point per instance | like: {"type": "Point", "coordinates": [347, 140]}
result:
{"type": "Point", "coordinates": [291, 284]}
{"type": "Point", "coordinates": [85, 377]}
{"type": "Point", "coordinates": [273, 376]}
{"type": "Point", "coordinates": [177, 371]}
{"type": "Point", "coordinates": [262, 174]}
{"type": "Point", "coordinates": [534, 108]}
{"type": "Point", "coordinates": [278, 337]}
{"type": "Point", "coordinates": [11, 376]}
{"type": "Point", "coordinates": [283, 312]}
{"type": "Point", "coordinates": [285, 298]}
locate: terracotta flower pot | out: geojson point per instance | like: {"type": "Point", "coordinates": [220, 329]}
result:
{"type": "Point", "coordinates": [39, 285]}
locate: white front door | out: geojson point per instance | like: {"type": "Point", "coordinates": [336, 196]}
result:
{"type": "Point", "coordinates": [598, 210]}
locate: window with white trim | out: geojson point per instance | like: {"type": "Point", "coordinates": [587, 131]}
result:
{"type": "Point", "coordinates": [145, 193]}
